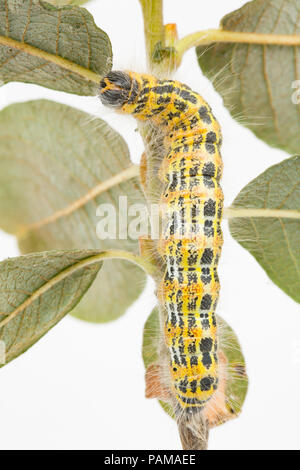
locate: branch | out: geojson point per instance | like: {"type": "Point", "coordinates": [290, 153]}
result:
{"type": "Point", "coordinates": [153, 26]}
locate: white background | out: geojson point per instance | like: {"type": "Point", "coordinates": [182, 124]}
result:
{"type": "Point", "coordinates": [82, 385]}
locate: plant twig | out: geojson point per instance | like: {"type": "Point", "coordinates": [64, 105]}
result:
{"type": "Point", "coordinates": [191, 438]}
{"type": "Point", "coordinates": [153, 26]}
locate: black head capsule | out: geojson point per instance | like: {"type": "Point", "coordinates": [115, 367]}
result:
{"type": "Point", "coordinates": [117, 89]}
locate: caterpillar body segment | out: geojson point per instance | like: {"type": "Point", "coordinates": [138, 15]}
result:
{"type": "Point", "coordinates": [191, 237]}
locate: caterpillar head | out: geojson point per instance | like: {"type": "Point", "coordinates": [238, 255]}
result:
{"type": "Point", "coordinates": [117, 89]}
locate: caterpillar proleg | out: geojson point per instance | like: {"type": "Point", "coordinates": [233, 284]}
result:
{"type": "Point", "coordinates": [191, 239]}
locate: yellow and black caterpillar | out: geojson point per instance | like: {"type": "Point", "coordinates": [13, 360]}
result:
{"type": "Point", "coordinates": [191, 238]}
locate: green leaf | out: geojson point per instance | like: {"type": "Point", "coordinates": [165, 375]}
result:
{"type": "Point", "coordinates": [57, 165]}
{"type": "Point", "coordinates": [59, 48]}
{"type": "Point", "coordinates": [265, 219]}
{"type": "Point", "coordinates": [256, 81]}
{"type": "Point", "coordinates": [37, 291]}
{"type": "Point", "coordinates": [236, 383]}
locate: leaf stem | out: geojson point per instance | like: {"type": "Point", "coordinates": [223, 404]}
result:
{"type": "Point", "coordinates": [209, 36]}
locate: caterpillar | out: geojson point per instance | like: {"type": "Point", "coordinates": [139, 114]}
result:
{"type": "Point", "coordinates": [191, 239]}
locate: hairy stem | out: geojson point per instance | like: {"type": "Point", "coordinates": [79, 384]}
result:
{"type": "Point", "coordinates": [153, 26]}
